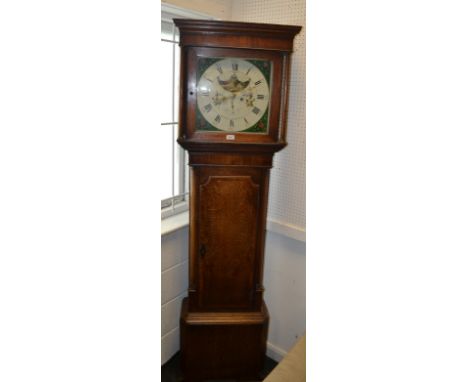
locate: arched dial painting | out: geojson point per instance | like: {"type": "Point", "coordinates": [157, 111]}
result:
{"type": "Point", "coordinates": [233, 94]}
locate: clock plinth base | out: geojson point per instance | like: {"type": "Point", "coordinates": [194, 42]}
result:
{"type": "Point", "coordinates": [217, 345]}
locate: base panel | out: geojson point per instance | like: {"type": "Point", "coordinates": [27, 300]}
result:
{"type": "Point", "coordinates": [222, 345]}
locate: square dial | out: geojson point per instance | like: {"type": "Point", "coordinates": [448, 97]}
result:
{"type": "Point", "coordinates": [233, 95]}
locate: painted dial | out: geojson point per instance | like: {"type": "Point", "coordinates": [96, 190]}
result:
{"type": "Point", "coordinates": [233, 95]}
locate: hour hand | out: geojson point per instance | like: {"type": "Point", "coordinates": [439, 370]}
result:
{"type": "Point", "coordinates": [232, 101]}
{"type": "Point", "coordinates": [218, 99]}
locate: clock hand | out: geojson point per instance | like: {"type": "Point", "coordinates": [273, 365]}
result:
{"type": "Point", "coordinates": [218, 99]}
{"type": "Point", "coordinates": [248, 97]}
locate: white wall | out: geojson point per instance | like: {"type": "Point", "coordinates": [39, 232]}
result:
{"type": "Point", "coordinates": [174, 284]}
{"type": "Point", "coordinates": [220, 9]}
{"type": "Point", "coordinates": [285, 293]}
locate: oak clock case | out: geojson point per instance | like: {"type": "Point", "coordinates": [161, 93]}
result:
{"type": "Point", "coordinates": [232, 119]}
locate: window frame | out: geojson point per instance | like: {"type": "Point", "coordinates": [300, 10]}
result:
{"type": "Point", "coordinates": [178, 202]}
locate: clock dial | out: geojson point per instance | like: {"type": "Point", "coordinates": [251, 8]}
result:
{"type": "Point", "coordinates": [233, 95]}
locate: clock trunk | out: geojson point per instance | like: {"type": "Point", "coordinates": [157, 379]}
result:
{"type": "Point", "coordinates": [229, 196]}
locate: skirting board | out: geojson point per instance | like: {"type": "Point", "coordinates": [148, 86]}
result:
{"type": "Point", "coordinates": [286, 229]}
{"type": "Point", "coordinates": [274, 352]}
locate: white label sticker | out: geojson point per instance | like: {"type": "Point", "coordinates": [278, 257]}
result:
{"type": "Point", "coordinates": [231, 137]}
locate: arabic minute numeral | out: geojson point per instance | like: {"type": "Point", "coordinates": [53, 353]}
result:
{"type": "Point", "coordinates": [208, 108]}
{"type": "Point", "coordinates": [256, 110]}
{"type": "Point", "coordinates": [258, 82]}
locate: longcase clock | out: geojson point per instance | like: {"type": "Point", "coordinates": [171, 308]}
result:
{"type": "Point", "coordinates": [233, 105]}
